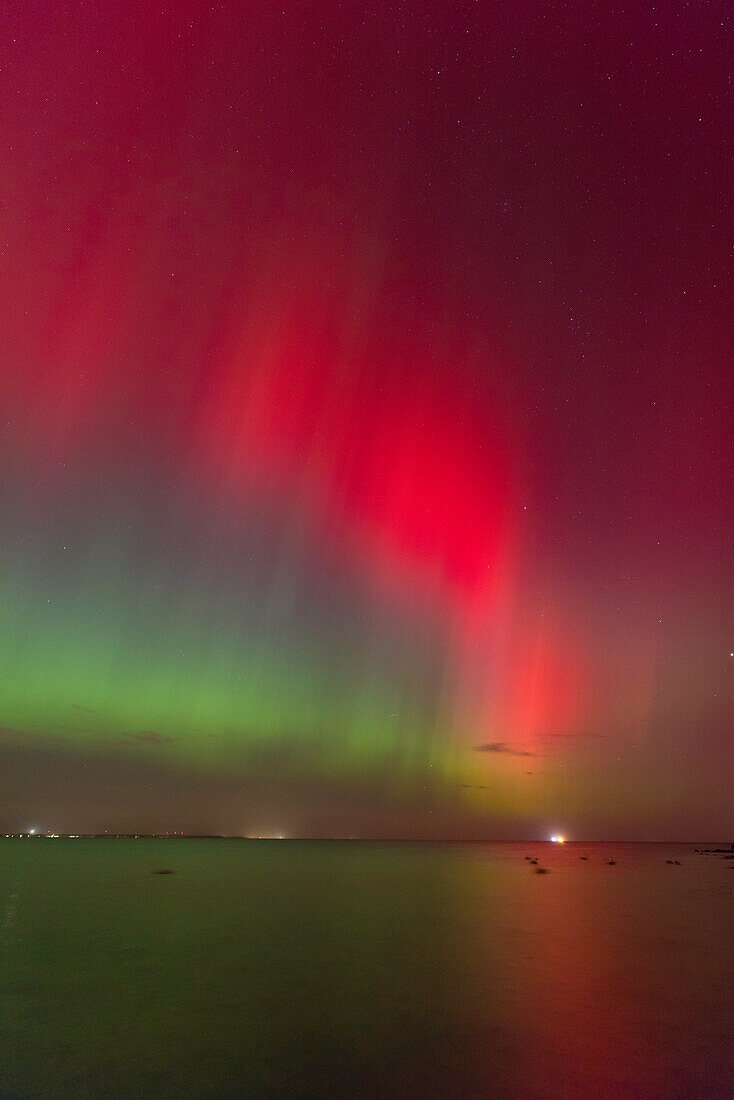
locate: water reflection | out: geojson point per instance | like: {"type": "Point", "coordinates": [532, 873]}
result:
{"type": "Point", "coordinates": [613, 980]}
{"type": "Point", "coordinates": [355, 970]}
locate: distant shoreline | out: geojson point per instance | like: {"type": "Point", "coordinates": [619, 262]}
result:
{"type": "Point", "coordinates": [708, 845]}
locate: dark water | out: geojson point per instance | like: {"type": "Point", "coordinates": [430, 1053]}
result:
{"type": "Point", "coordinates": [288, 968]}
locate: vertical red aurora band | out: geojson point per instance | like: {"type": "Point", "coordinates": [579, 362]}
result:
{"type": "Point", "coordinates": [381, 442]}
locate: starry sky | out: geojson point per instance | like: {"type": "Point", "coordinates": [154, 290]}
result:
{"type": "Point", "coordinates": [366, 418]}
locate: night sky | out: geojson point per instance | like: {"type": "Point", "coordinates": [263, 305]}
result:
{"type": "Point", "coordinates": [366, 418]}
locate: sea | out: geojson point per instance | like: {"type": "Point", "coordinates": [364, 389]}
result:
{"type": "Point", "coordinates": [284, 968]}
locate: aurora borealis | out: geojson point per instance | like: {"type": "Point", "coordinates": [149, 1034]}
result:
{"type": "Point", "coordinates": [366, 409]}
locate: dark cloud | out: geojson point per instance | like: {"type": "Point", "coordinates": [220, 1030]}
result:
{"type": "Point", "coordinates": [502, 747]}
{"type": "Point", "coordinates": [23, 737]}
{"type": "Point", "coordinates": [150, 737]}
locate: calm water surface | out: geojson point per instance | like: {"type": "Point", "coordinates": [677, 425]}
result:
{"type": "Point", "coordinates": [292, 968]}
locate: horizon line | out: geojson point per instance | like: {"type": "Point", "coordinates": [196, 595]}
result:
{"type": "Point", "coordinates": [28, 834]}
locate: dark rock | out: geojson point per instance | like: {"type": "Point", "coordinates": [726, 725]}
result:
{"type": "Point", "coordinates": [164, 871]}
